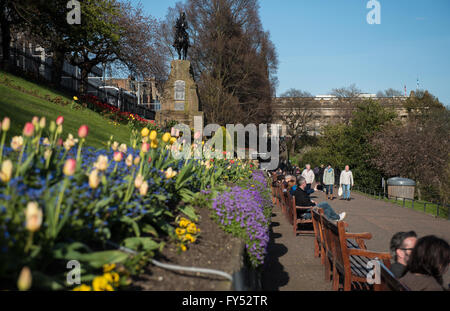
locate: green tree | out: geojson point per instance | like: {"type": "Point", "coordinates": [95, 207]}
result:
{"type": "Point", "coordinates": [343, 144]}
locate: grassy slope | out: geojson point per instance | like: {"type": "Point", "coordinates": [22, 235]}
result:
{"type": "Point", "coordinates": [21, 108]}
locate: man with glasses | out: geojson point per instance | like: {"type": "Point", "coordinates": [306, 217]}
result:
{"type": "Point", "coordinates": [402, 244]}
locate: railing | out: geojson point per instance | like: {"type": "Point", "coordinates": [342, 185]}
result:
{"type": "Point", "coordinates": [380, 194]}
{"type": "Point", "coordinates": [41, 70]}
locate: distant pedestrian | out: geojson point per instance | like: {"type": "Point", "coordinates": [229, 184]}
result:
{"type": "Point", "coordinates": [346, 181]}
{"type": "Point", "coordinates": [328, 181]}
{"type": "Point", "coordinates": [402, 245]}
{"type": "Point", "coordinates": [308, 173]}
{"type": "Point", "coordinates": [321, 172]}
{"type": "Point", "coordinates": [428, 263]}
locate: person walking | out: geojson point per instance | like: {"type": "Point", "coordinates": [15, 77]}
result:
{"type": "Point", "coordinates": [346, 182]}
{"type": "Point", "coordinates": [328, 181]}
{"type": "Point", "coordinates": [321, 172]}
{"type": "Point", "coordinates": [308, 173]}
{"type": "Point", "coordinates": [302, 198]}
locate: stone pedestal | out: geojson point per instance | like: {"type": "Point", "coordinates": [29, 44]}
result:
{"type": "Point", "coordinates": [180, 98]}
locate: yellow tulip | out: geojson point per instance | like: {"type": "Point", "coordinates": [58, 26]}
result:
{"type": "Point", "coordinates": [170, 173]}
{"type": "Point", "coordinates": [6, 171]}
{"type": "Point", "coordinates": [94, 180]}
{"type": "Point", "coordinates": [145, 131]}
{"type": "Point", "coordinates": [25, 279]}
{"type": "Point", "coordinates": [166, 137]}
{"type": "Point", "coordinates": [33, 215]}
{"type": "Point", "coordinates": [153, 135]}
{"type": "Point", "coordinates": [154, 144]}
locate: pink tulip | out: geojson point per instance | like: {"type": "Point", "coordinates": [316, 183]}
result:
{"type": "Point", "coordinates": [118, 156]}
{"type": "Point", "coordinates": [60, 142]}
{"type": "Point", "coordinates": [69, 167]}
{"type": "Point", "coordinates": [35, 120]}
{"type": "Point", "coordinates": [59, 120]}
{"type": "Point", "coordinates": [28, 130]}
{"type": "Point", "coordinates": [145, 147]}
{"type": "Point", "coordinates": [83, 131]}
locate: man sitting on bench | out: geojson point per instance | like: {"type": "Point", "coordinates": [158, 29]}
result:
{"type": "Point", "coordinates": [302, 199]}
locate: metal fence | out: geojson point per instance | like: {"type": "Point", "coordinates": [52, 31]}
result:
{"type": "Point", "coordinates": [415, 204]}
{"type": "Point", "coordinates": [35, 68]}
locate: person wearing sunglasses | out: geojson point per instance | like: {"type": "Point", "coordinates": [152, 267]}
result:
{"type": "Point", "coordinates": [402, 244]}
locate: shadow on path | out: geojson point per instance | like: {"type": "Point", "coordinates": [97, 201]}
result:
{"type": "Point", "coordinates": [274, 275]}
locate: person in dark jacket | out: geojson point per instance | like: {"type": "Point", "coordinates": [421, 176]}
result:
{"type": "Point", "coordinates": [302, 199]}
{"type": "Point", "coordinates": [402, 244]}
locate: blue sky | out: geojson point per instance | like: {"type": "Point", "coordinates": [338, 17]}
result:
{"type": "Point", "coordinates": [325, 44]}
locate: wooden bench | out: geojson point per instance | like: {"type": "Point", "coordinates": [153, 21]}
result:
{"type": "Point", "coordinates": [319, 248]}
{"type": "Point", "coordinates": [389, 282]}
{"type": "Point", "coordinates": [346, 255]}
{"type": "Point", "coordinates": [294, 212]}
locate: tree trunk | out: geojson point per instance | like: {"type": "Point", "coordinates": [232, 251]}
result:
{"type": "Point", "coordinates": [419, 193]}
{"type": "Point", "coordinates": [85, 70]}
{"type": "Point", "coordinates": [57, 66]}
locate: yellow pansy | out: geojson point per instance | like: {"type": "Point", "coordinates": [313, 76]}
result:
{"type": "Point", "coordinates": [189, 238]}
{"type": "Point", "coordinates": [192, 228]}
{"type": "Point", "coordinates": [82, 288]}
{"type": "Point", "coordinates": [172, 140]}
{"type": "Point", "coordinates": [109, 267]}
{"type": "Point", "coordinates": [183, 247]}
{"type": "Point", "coordinates": [112, 278]}
{"type": "Point", "coordinates": [180, 231]}
{"type": "Point", "coordinates": [184, 222]}
{"type": "Point", "coordinates": [100, 283]}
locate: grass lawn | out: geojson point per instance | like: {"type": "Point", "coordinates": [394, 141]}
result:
{"type": "Point", "coordinates": [421, 206]}
{"type": "Point", "coordinates": [21, 107]}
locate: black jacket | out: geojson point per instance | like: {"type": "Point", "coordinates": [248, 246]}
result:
{"type": "Point", "coordinates": [302, 198]}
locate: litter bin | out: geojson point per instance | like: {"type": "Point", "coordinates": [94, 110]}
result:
{"type": "Point", "coordinates": [401, 188]}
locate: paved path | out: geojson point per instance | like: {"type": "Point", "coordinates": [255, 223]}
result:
{"type": "Point", "coordinates": [291, 264]}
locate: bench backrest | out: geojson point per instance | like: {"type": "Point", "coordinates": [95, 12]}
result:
{"type": "Point", "coordinates": [333, 242]}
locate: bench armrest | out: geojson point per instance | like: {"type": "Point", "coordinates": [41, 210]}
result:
{"type": "Point", "coordinates": [304, 208]}
{"type": "Point", "coordinates": [364, 235]}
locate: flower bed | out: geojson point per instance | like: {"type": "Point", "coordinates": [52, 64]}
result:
{"type": "Point", "coordinates": [245, 211]}
{"type": "Point", "coordinates": [61, 202]}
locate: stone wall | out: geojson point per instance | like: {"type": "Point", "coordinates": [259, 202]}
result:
{"type": "Point", "coordinates": [326, 110]}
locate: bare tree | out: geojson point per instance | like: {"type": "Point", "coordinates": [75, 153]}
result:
{"type": "Point", "coordinates": [296, 116]}
{"type": "Point", "coordinates": [419, 150]}
{"type": "Point", "coordinates": [389, 93]}
{"type": "Point", "coordinates": [347, 91]}
{"type": "Point", "coordinates": [233, 59]}
{"type": "Point", "coordinates": [296, 93]}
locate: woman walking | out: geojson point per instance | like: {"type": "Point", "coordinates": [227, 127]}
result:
{"type": "Point", "coordinates": [328, 181]}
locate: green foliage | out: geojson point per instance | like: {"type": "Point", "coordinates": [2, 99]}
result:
{"type": "Point", "coordinates": [343, 145]}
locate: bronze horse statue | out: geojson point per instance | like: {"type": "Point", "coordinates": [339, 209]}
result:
{"type": "Point", "coordinates": [181, 43]}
